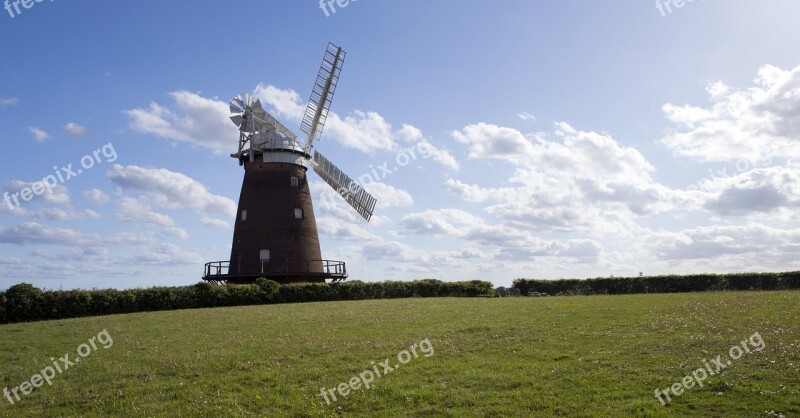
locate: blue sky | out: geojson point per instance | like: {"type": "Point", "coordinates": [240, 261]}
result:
{"type": "Point", "coordinates": [571, 139]}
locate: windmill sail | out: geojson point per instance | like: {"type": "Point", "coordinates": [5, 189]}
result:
{"type": "Point", "coordinates": [346, 187]}
{"type": "Point", "coordinates": [322, 95]}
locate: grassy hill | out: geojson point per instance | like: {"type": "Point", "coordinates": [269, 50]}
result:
{"type": "Point", "coordinates": [577, 356]}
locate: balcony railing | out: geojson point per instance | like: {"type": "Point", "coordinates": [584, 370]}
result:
{"type": "Point", "coordinates": [221, 270]}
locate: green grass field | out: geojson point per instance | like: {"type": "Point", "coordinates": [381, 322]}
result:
{"type": "Point", "coordinates": [575, 356]}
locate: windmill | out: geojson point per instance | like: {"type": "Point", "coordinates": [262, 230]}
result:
{"type": "Point", "coordinates": [275, 234]}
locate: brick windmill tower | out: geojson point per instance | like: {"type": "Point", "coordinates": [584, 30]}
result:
{"type": "Point", "coordinates": [275, 235]}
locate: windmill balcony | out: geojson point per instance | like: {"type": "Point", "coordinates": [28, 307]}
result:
{"type": "Point", "coordinates": [281, 271]}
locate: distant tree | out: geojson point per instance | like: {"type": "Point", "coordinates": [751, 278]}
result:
{"type": "Point", "coordinates": [23, 303]}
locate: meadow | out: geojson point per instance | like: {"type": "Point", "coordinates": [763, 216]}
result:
{"type": "Point", "coordinates": [522, 356]}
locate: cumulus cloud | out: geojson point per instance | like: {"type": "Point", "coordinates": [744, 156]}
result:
{"type": "Point", "coordinates": [39, 134]}
{"type": "Point", "coordinates": [35, 233]}
{"type": "Point", "coordinates": [584, 250]}
{"type": "Point", "coordinates": [171, 190]}
{"type": "Point", "coordinates": [215, 223]}
{"type": "Point", "coordinates": [344, 230]}
{"type": "Point", "coordinates": [134, 211]}
{"type": "Point", "coordinates": [205, 122]}
{"type": "Point", "coordinates": [368, 132]}
{"type": "Point", "coordinates": [756, 123]}
{"type": "Point", "coordinates": [96, 196]}
{"type": "Point", "coordinates": [389, 196]}
{"type": "Point", "coordinates": [75, 129]}
{"type": "Point", "coordinates": [712, 242]}
{"type": "Point", "coordinates": [492, 141]}
{"type": "Point", "coordinates": [165, 255]}
{"type": "Point", "coordinates": [285, 103]}
{"type": "Point", "coordinates": [761, 190]}
{"type": "Point", "coordinates": [440, 222]}
{"type": "Point", "coordinates": [59, 195]}
{"type": "Point", "coordinates": [193, 119]}
{"type": "Point", "coordinates": [74, 254]}
{"type": "Point", "coordinates": [512, 244]}
{"type": "Point", "coordinates": [579, 181]}
{"type": "Point", "coordinates": [64, 214]}
{"type": "Point", "coordinates": [411, 134]}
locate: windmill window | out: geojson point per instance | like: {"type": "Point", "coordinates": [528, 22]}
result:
{"type": "Point", "coordinates": [263, 255]}
{"type": "Point", "coordinates": [295, 181]}
{"type": "Point", "coordinates": [244, 215]}
{"type": "Point", "coordinates": [298, 213]}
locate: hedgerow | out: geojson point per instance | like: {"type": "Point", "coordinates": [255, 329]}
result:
{"type": "Point", "coordinates": [661, 284]}
{"type": "Point", "coordinates": [24, 302]}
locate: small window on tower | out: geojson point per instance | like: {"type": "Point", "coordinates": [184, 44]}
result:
{"type": "Point", "coordinates": [295, 181]}
{"type": "Point", "coordinates": [298, 213]}
{"type": "Point", "coordinates": [244, 215]}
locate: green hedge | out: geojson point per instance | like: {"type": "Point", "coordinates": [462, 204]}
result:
{"type": "Point", "coordinates": [661, 284]}
{"type": "Point", "coordinates": [24, 302]}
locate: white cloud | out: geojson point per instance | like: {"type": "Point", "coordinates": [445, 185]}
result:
{"type": "Point", "coordinates": [751, 241]}
{"type": "Point", "coordinates": [761, 190]}
{"type": "Point", "coordinates": [195, 119]}
{"type": "Point", "coordinates": [344, 230]}
{"type": "Point", "coordinates": [582, 181]}
{"type": "Point", "coordinates": [526, 116]}
{"type": "Point", "coordinates": [35, 233]}
{"type": "Point", "coordinates": [389, 196]}
{"type": "Point", "coordinates": [29, 233]}
{"type": "Point", "coordinates": [391, 251]}
{"type": "Point", "coordinates": [754, 124]}
{"type": "Point", "coordinates": [93, 254]}
{"type": "Point", "coordinates": [132, 210]}
{"type": "Point", "coordinates": [10, 260]}
{"type": "Point", "coordinates": [498, 242]}
{"type": "Point", "coordinates": [165, 255]}
{"type": "Point", "coordinates": [584, 250]}
{"type": "Point", "coordinates": [215, 223]}
{"type": "Point", "coordinates": [440, 222]}
{"type": "Point", "coordinates": [492, 141]}
{"type": "Point", "coordinates": [367, 132]}
{"type": "Point", "coordinates": [12, 209]}
{"type": "Point", "coordinates": [59, 194]}
{"type": "Point", "coordinates": [96, 196]}
{"type": "Point", "coordinates": [476, 194]}
{"type": "Point", "coordinates": [282, 103]}
{"type": "Point", "coordinates": [38, 134]}
{"type": "Point", "coordinates": [174, 231]}
{"type": "Point", "coordinates": [171, 190]}
{"type": "Point", "coordinates": [412, 134]}
{"type": "Point", "coordinates": [74, 129]}
{"type": "Point", "coordinates": [8, 101]}
{"type": "Point", "coordinates": [61, 214]}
